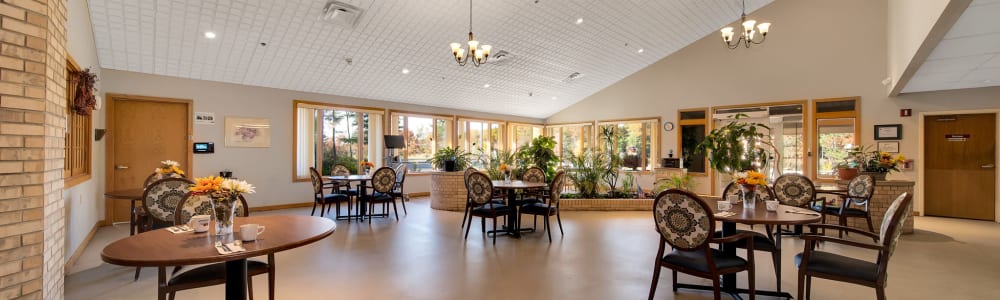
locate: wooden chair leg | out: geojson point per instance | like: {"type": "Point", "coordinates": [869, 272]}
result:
{"type": "Point", "coordinates": [465, 214]}
{"type": "Point", "coordinates": [559, 220]}
{"type": "Point", "coordinates": [880, 293]}
{"type": "Point", "coordinates": [776, 257]}
{"type": "Point", "coordinates": [402, 200]}
{"type": "Point", "coordinates": [843, 222]}
{"type": "Point", "coordinates": [468, 226]}
{"type": "Point", "coordinates": [349, 204]}
{"type": "Point", "coordinates": [394, 210]}
{"type": "Point", "coordinates": [313, 213]}
{"type": "Point", "coordinates": [674, 287]}
{"type": "Point", "coordinates": [249, 287]}
{"type": "Point", "coordinates": [802, 285]}
{"type": "Point", "coordinates": [751, 281]}
{"type": "Point", "coordinates": [161, 279]}
{"type": "Point", "coordinates": [137, 270]}
{"type": "Point", "coordinates": [337, 213]}
{"type": "Point", "coordinates": [482, 225]}
{"type": "Point", "coordinates": [716, 288]}
{"type": "Point", "coordinates": [494, 230]}
{"type": "Point", "coordinates": [809, 282]}
{"type": "Point", "coordinates": [270, 276]}
{"type": "Point", "coordinates": [868, 218]}
{"type": "Point", "coordinates": [547, 231]}
{"type": "Point", "coordinates": [656, 279]}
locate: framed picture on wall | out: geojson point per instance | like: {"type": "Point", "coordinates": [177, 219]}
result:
{"type": "Point", "coordinates": [890, 147]}
{"type": "Point", "coordinates": [889, 132]}
{"type": "Point", "coordinates": [248, 132]}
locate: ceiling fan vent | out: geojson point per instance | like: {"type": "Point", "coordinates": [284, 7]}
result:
{"type": "Point", "coordinates": [341, 14]}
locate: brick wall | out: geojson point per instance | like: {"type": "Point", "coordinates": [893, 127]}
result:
{"type": "Point", "coordinates": [32, 125]}
{"type": "Point", "coordinates": [885, 193]}
{"type": "Point", "coordinates": [448, 191]}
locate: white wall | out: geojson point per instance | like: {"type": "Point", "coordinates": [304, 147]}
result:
{"type": "Point", "coordinates": [909, 23]}
{"type": "Point", "coordinates": [807, 57]}
{"type": "Point", "coordinates": [270, 169]}
{"type": "Point", "coordinates": [85, 201]}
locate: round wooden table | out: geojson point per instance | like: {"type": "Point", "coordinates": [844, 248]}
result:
{"type": "Point", "coordinates": [784, 215]}
{"type": "Point", "coordinates": [131, 195]}
{"type": "Point", "coordinates": [362, 191]}
{"type": "Point", "coordinates": [510, 187]}
{"type": "Point", "coordinates": [161, 248]}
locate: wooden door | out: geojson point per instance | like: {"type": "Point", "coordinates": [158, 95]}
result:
{"type": "Point", "coordinates": [960, 170]}
{"type": "Point", "coordinates": [142, 131]}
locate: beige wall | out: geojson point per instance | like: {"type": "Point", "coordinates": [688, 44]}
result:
{"type": "Point", "coordinates": [270, 169]}
{"type": "Point", "coordinates": [817, 49]}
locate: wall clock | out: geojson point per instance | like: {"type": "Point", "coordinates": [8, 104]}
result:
{"type": "Point", "coordinates": [668, 126]}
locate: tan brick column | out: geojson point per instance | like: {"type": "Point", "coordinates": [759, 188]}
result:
{"type": "Point", "coordinates": [32, 130]}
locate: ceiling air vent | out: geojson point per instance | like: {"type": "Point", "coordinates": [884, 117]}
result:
{"type": "Point", "coordinates": [500, 57]}
{"type": "Point", "coordinates": [341, 14]}
{"type": "Point", "coordinates": [572, 77]}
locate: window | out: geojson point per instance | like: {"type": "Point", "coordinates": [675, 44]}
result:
{"type": "Point", "coordinates": [424, 135]}
{"type": "Point", "coordinates": [328, 135]}
{"type": "Point", "coordinates": [837, 125]}
{"type": "Point", "coordinates": [787, 135]}
{"type": "Point", "coordinates": [480, 138]}
{"type": "Point", "coordinates": [78, 129]}
{"type": "Point", "coordinates": [636, 142]}
{"type": "Point", "coordinates": [571, 138]}
{"type": "Point", "coordinates": [522, 134]}
{"type": "Point", "coordinates": [693, 125]}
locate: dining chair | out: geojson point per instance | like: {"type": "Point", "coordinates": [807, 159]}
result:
{"type": "Point", "coordinates": [537, 175]}
{"type": "Point", "coordinates": [345, 186]}
{"type": "Point", "coordinates": [480, 197]}
{"type": "Point", "coordinates": [828, 265]}
{"type": "Point", "coordinates": [321, 197]}
{"type": "Point", "coordinates": [159, 201]}
{"type": "Point", "coordinates": [497, 197]}
{"type": "Point", "coordinates": [383, 182]}
{"type": "Point", "coordinates": [854, 205]}
{"type": "Point", "coordinates": [210, 274]}
{"type": "Point", "coordinates": [397, 190]}
{"type": "Point", "coordinates": [686, 223]}
{"type": "Point", "coordinates": [764, 242]}
{"type": "Point", "coordinates": [545, 209]}
{"type": "Point", "coordinates": [794, 190]}
{"type": "Point", "coordinates": [139, 212]}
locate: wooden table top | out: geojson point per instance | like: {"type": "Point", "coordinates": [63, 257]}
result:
{"type": "Point", "coordinates": [162, 248]}
{"type": "Point", "coordinates": [129, 194]}
{"type": "Point", "coordinates": [785, 215]}
{"type": "Point", "coordinates": [517, 184]}
{"type": "Point", "coordinates": [350, 178]}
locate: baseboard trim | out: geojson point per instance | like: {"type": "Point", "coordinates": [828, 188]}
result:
{"type": "Point", "coordinates": [421, 194]}
{"type": "Point", "coordinates": [83, 245]}
{"type": "Point", "coordinates": [280, 206]}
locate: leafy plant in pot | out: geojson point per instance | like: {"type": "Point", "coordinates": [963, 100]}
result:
{"type": "Point", "coordinates": [540, 153]}
{"type": "Point", "coordinates": [738, 146]}
{"type": "Point", "coordinates": [450, 159]}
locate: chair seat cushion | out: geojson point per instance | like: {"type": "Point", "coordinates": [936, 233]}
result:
{"type": "Point", "coordinates": [378, 197]}
{"type": "Point", "coordinates": [485, 210]}
{"type": "Point", "coordinates": [834, 264]}
{"type": "Point", "coordinates": [696, 260]}
{"type": "Point", "coordinates": [538, 209]}
{"type": "Point", "coordinates": [760, 241]}
{"type": "Point", "coordinates": [530, 201]}
{"type": "Point", "coordinates": [329, 198]}
{"type": "Point", "coordinates": [214, 273]}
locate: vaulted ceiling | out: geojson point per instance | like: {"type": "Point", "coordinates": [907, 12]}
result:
{"type": "Point", "coordinates": [547, 40]}
{"type": "Point", "coordinates": [969, 54]}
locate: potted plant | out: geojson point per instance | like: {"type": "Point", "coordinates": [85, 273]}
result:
{"type": "Point", "coordinates": [540, 153]}
{"type": "Point", "coordinates": [588, 169]}
{"type": "Point", "coordinates": [676, 181]}
{"type": "Point", "coordinates": [738, 146]}
{"type": "Point", "coordinates": [450, 159]}
{"type": "Point", "coordinates": [877, 163]}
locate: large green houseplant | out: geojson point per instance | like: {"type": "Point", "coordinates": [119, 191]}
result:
{"type": "Point", "coordinates": [737, 146]}
{"type": "Point", "coordinates": [540, 153]}
{"type": "Point", "coordinates": [447, 154]}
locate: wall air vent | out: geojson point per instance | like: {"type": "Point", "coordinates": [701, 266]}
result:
{"type": "Point", "coordinates": [341, 14]}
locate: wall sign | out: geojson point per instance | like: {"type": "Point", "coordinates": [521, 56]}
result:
{"type": "Point", "coordinates": [890, 147]}
{"type": "Point", "coordinates": [961, 137]}
{"type": "Point", "coordinates": [889, 132]}
{"type": "Point", "coordinates": [204, 118]}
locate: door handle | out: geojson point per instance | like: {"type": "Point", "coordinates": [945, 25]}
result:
{"type": "Point", "coordinates": [121, 167]}
{"type": "Point", "coordinates": [987, 166]}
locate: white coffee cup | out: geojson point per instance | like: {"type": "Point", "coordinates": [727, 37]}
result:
{"type": "Point", "coordinates": [733, 199]}
{"type": "Point", "coordinates": [249, 232]}
{"type": "Point", "coordinates": [724, 205]}
{"type": "Point", "coordinates": [772, 205]}
{"type": "Point", "coordinates": [200, 222]}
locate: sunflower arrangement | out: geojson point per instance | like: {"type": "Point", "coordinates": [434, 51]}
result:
{"type": "Point", "coordinates": [750, 178]}
{"type": "Point", "coordinates": [367, 165]}
{"type": "Point", "coordinates": [169, 168]}
{"type": "Point", "coordinates": [223, 192]}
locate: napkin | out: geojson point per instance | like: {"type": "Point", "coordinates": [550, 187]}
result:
{"type": "Point", "coordinates": [725, 214]}
{"type": "Point", "coordinates": [179, 229]}
{"type": "Point", "coordinates": [232, 247]}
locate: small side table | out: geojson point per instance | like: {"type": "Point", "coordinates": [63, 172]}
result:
{"type": "Point", "coordinates": [132, 195]}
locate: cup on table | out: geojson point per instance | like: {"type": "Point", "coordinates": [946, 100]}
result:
{"type": "Point", "coordinates": [199, 222]}
{"type": "Point", "coordinates": [724, 205]}
{"type": "Point", "coordinates": [733, 199]}
{"type": "Point", "coordinates": [249, 232]}
{"type": "Point", "coordinates": [772, 205]}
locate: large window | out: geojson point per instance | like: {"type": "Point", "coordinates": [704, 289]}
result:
{"type": "Point", "coordinates": [571, 138]}
{"type": "Point", "coordinates": [837, 125]}
{"type": "Point", "coordinates": [78, 128]}
{"type": "Point", "coordinates": [693, 124]}
{"type": "Point", "coordinates": [424, 135]}
{"type": "Point", "coordinates": [481, 138]}
{"type": "Point", "coordinates": [522, 134]}
{"type": "Point", "coordinates": [635, 142]}
{"type": "Point", "coordinates": [787, 134]}
{"type": "Point", "coordinates": [328, 135]}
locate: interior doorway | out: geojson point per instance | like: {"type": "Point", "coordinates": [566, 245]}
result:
{"type": "Point", "coordinates": [960, 166]}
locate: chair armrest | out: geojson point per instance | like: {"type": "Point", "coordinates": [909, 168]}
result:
{"type": "Point", "coordinates": [732, 238]}
{"type": "Point", "coordinates": [823, 238]}
{"type": "Point", "coordinates": [842, 228]}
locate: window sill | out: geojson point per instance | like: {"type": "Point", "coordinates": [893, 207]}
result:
{"type": "Point", "coordinates": [75, 180]}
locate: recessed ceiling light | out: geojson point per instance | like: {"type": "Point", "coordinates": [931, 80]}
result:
{"type": "Point", "coordinates": [406, 71]}
{"type": "Point", "coordinates": [486, 85]}
{"type": "Point", "coordinates": [209, 34]}
{"type": "Point", "coordinates": [579, 21]}
{"type": "Point", "coordinates": [555, 98]}
{"type": "Point", "coordinates": [640, 51]}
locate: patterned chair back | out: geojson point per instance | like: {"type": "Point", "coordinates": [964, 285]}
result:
{"type": "Point", "coordinates": [892, 227]}
{"type": "Point", "coordinates": [156, 176]}
{"type": "Point", "coordinates": [193, 205]}
{"type": "Point", "coordinates": [861, 189]}
{"type": "Point", "coordinates": [555, 188]}
{"type": "Point", "coordinates": [160, 199]}
{"type": "Point", "coordinates": [480, 188]}
{"type": "Point", "coordinates": [383, 180]}
{"type": "Point", "coordinates": [401, 171]}
{"type": "Point", "coordinates": [340, 170]}
{"type": "Point", "coordinates": [763, 191]}
{"type": "Point", "coordinates": [317, 181]}
{"type": "Point", "coordinates": [683, 219]}
{"type": "Point", "coordinates": [794, 190]}
{"type": "Point", "coordinates": [469, 171]}
{"type": "Point", "coordinates": [534, 174]}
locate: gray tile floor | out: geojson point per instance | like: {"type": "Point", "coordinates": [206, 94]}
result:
{"type": "Point", "coordinates": [604, 255]}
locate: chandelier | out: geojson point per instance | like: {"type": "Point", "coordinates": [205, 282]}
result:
{"type": "Point", "coordinates": [748, 34]}
{"type": "Point", "coordinates": [478, 55]}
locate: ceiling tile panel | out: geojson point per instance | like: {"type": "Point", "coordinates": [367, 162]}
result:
{"type": "Point", "coordinates": [970, 48]}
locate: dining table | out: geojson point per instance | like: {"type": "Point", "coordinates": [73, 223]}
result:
{"type": "Point", "coordinates": [511, 187]}
{"type": "Point", "coordinates": [130, 195]}
{"type": "Point", "coordinates": [783, 215]}
{"type": "Point", "coordinates": [362, 180]}
{"type": "Point", "coordinates": [161, 248]}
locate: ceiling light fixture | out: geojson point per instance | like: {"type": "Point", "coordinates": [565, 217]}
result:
{"type": "Point", "coordinates": [640, 51]}
{"type": "Point", "coordinates": [555, 98]}
{"type": "Point", "coordinates": [406, 71]}
{"type": "Point", "coordinates": [748, 33]}
{"type": "Point", "coordinates": [478, 55]}
{"type": "Point", "coordinates": [209, 34]}
{"type": "Point", "coordinates": [486, 85]}
{"type": "Point", "coordinates": [579, 21]}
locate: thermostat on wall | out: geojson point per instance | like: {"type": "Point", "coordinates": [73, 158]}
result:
{"type": "Point", "coordinates": [204, 147]}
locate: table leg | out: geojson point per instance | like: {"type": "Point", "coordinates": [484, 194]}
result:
{"type": "Point", "coordinates": [729, 249]}
{"type": "Point", "coordinates": [236, 279]}
{"type": "Point", "coordinates": [512, 216]}
{"type": "Point", "coordinates": [363, 203]}
{"type": "Point", "coordinates": [131, 217]}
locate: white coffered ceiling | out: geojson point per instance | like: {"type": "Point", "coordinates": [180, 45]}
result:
{"type": "Point", "coordinates": [166, 37]}
{"type": "Point", "coordinates": [968, 56]}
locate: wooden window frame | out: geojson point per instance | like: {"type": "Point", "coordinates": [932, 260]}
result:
{"type": "Point", "coordinates": [395, 114]}
{"type": "Point", "coordinates": [814, 140]}
{"type": "Point", "coordinates": [693, 122]}
{"type": "Point", "coordinates": [558, 133]}
{"type": "Point", "coordinates": [79, 130]}
{"type": "Point", "coordinates": [652, 158]}
{"type": "Point", "coordinates": [296, 104]}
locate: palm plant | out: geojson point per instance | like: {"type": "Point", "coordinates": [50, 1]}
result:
{"type": "Point", "coordinates": [613, 166]}
{"type": "Point", "coordinates": [588, 169]}
{"type": "Point", "coordinates": [456, 154]}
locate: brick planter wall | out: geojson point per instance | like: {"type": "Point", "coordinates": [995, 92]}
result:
{"type": "Point", "coordinates": [448, 191]}
{"type": "Point", "coordinates": [885, 193]}
{"type": "Point", "coordinates": [606, 204]}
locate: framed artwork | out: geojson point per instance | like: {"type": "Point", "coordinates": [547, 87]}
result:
{"type": "Point", "coordinates": [890, 147]}
{"type": "Point", "coordinates": [889, 132]}
{"type": "Point", "coordinates": [248, 132]}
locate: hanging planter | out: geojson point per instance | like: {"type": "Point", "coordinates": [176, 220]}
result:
{"type": "Point", "coordinates": [84, 100]}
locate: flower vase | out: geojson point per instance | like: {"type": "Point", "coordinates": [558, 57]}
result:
{"type": "Point", "coordinates": [223, 209]}
{"type": "Point", "coordinates": [506, 177]}
{"type": "Point", "coordinates": [749, 195]}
